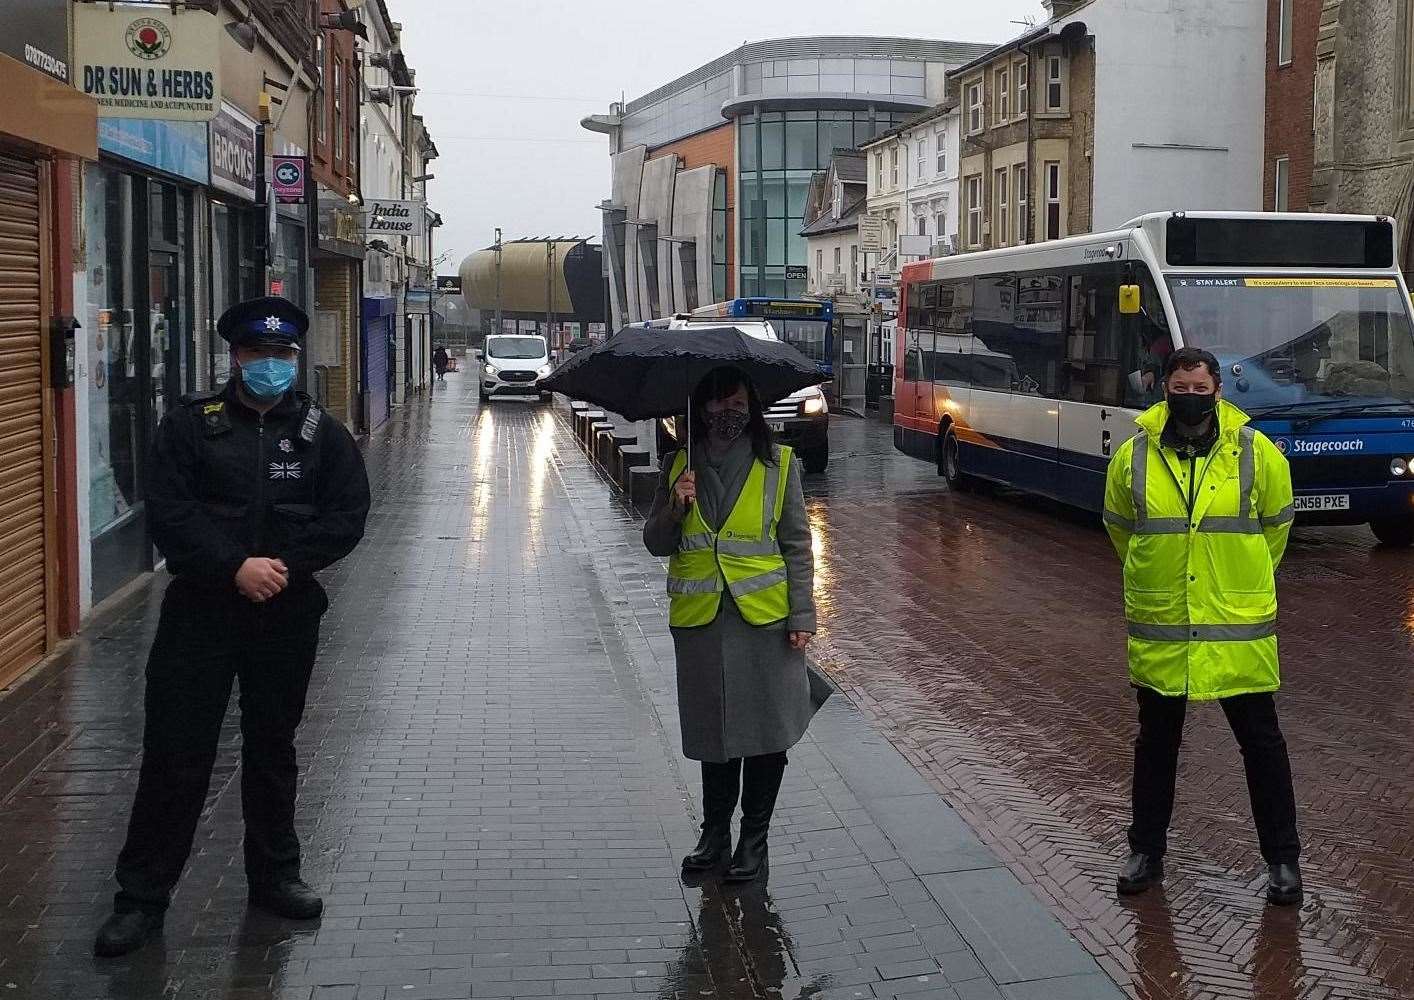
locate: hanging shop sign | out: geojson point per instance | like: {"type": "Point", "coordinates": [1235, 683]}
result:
{"type": "Point", "coordinates": [288, 177]}
{"type": "Point", "coordinates": [149, 62]}
{"type": "Point", "coordinates": [233, 152]}
{"type": "Point", "coordinates": [340, 226]}
{"type": "Point", "coordinates": [395, 218]}
{"type": "Point", "coordinates": [37, 34]}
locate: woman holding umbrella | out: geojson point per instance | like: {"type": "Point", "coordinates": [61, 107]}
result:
{"type": "Point", "coordinates": [741, 580]}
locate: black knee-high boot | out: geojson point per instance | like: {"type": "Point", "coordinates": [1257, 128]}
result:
{"type": "Point", "coordinates": [721, 784]}
{"type": "Point", "coordinates": [760, 784]}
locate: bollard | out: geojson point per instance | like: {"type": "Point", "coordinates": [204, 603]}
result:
{"type": "Point", "coordinates": [631, 457]}
{"type": "Point", "coordinates": [601, 437]}
{"type": "Point", "coordinates": [587, 420]}
{"type": "Point", "coordinates": [643, 486]}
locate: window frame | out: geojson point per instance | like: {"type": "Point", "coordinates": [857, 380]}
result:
{"type": "Point", "coordinates": [340, 134]}
{"type": "Point", "coordinates": [973, 187]}
{"type": "Point", "coordinates": [1022, 175]}
{"type": "Point", "coordinates": [922, 157]}
{"type": "Point", "coordinates": [1281, 184]}
{"type": "Point", "coordinates": [1022, 73]}
{"type": "Point", "coordinates": [1055, 78]}
{"type": "Point", "coordinates": [1285, 17]}
{"type": "Point", "coordinates": [1001, 217]}
{"type": "Point", "coordinates": [942, 153]}
{"type": "Point", "coordinates": [975, 120]}
{"type": "Point", "coordinates": [879, 170]}
{"type": "Point", "coordinates": [1051, 178]}
{"type": "Point", "coordinates": [893, 167]}
{"type": "Point", "coordinates": [1001, 96]}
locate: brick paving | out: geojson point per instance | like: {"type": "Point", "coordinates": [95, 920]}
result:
{"type": "Point", "coordinates": [493, 800]}
{"type": "Point", "coordinates": [983, 634]}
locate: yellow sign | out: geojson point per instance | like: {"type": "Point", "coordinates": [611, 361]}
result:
{"type": "Point", "coordinates": [1320, 282]}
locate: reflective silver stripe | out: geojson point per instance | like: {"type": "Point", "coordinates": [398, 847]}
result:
{"type": "Point", "coordinates": [1216, 524]}
{"type": "Point", "coordinates": [748, 548]}
{"type": "Point", "coordinates": [1202, 633]}
{"type": "Point", "coordinates": [1139, 480]}
{"type": "Point", "coordinates": [766, 580]}
{"type": "Point", "coordinates": [695, 543]}
{"type": "Point", "coordinates": [768, 498]}
{"type": "Point", "coordinates": [1246, 470]}
{"type": "Point", "coordinates": [1119, 522]}
{"type": "Point", "coordinates": [1162, 526]}
{"type": "Point", "coordinates": [1286, 514]}
{"type": "Point", "coordinates": [677, 585]}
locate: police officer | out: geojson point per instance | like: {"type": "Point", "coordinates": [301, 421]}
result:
{"type": "Point", "coordinates": [252, 489]}
{"type": "Point", "coordinates": [1199, 506]}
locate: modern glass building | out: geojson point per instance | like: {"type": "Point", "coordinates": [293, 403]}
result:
{"type": "Point", "coordinates": [732, 145]}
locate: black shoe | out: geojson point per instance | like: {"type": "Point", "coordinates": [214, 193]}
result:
{"type": "Point", "coordinates": [715, 844]}
{"type": "Point", "coordinates": [1284, 884]}
{"type": "Point", "coordinates": [1139, 872]}
{"type": "Point", "coordinates": [125, 932]}
{"type": "Point", "coordinates": [751, 858]}
{"type": "Point", "coordinates": [291, 899]}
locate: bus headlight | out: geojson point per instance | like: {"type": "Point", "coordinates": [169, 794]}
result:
{"type": "Point", "coordinates": [815, 406]}
{"type": "Point", "coordinates": [1399, 467]}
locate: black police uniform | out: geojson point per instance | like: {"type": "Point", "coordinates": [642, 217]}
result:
{"type": "Point", "coordinates": [227, 483]}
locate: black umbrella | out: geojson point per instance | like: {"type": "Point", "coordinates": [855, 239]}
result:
{"type": "Point", "coordinates": [644, 372]}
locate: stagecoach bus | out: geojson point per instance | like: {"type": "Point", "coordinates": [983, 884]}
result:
{"type": "Point", "coordinates": [805, 324]}
{"type": "Point", "coordinates": [1027, 366]}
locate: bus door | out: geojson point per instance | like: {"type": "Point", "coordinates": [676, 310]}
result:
{"type": "Point", "coordinates": [1106, 381]}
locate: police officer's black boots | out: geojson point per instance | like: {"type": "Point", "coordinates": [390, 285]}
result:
{"type": "Point", "coordinates": [1138, 873]}
{"type": "Point", "coordinates": [761, 782]}
{"type": "Point", "coordinates": [721, 785]}
{"type": "Point", "coordinates": [1284, 884]}
{"type": "Point", "coordinates": [125, 932]}
{"type": "Point", "coordinates": [290, 898]}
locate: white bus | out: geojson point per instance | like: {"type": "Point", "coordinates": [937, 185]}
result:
{"type": "Point", "coordinates": [1027, 366]}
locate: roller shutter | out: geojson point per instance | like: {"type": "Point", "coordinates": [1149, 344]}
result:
{"type": "Point", "coordinates": [23, 628]}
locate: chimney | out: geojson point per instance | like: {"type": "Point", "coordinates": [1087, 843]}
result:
{"type": "Point", "coordinates": [1059, 8]}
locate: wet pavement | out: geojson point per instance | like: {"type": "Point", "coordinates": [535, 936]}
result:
{"type": "Point", "coordinates": [492, 798]}
{"type": "Point", "coordinates": [984, 635]}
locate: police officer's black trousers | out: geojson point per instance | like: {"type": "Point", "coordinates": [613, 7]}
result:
{"type": "Point", "coordinates": [204, 641]}
{"type": "Point", "coordinates": [1253, 718]}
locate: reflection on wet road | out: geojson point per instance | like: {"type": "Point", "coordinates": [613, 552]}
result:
{"type": "Point", "coordinates": [985, 633]}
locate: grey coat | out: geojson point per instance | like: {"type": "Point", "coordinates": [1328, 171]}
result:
{"type": "Point", "coordinates": [742, 691]}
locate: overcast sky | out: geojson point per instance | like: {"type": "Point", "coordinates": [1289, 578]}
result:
{"type": "Point", "coordinates": [504, 85]}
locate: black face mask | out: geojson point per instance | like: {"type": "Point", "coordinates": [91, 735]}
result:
{"type": "Point", "coordinates": [1192, 408]}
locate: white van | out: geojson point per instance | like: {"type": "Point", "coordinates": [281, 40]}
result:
{"type": "Point", "coordinates": [513, 365]}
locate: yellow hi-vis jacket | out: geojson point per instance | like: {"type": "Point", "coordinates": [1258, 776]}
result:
{"type": "Point", "coordinates": [1200, 540]}
{"type": "Point", "coordinates": [743, 556]}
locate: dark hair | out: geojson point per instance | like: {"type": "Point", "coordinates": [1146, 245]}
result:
{"type": "Point", "coordinates": [720, 383]}
{"type": "Point", "coordinates": [1189, 358]}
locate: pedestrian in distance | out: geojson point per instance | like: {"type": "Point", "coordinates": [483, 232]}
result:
{"type": "Point", "coordinates": [251, 490]}
{"type": "Point", "coordinates": [742, 611]}
{"type": "Point", "coordinates": [440, 360]}
{"type": "Point", "coordinates": [1199, 507]}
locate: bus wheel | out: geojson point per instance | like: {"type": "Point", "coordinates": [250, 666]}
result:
{"type": "Point", "coordinates": [1396, 532]}
{"type": "Point", "coordinates": [949, 462]}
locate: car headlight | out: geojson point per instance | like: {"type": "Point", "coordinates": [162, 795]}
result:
{"type": "Point", "coordinates": [489, 370]}
{"type": "Point", "coordinates": [543, 370]}
{"type": "Point", "coordinates": [1399, 467]}
{"type": "Point", "coordinates": [815, 406]}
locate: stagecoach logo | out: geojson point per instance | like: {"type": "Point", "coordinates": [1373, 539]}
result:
{"type": "Point", "coordinates": [148, 38]}
{"type": "Point", "coordinates": [1301, 446]}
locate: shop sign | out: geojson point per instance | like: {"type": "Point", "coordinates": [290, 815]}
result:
{"type": "Point", "coordinates": [37, 34]}
{"type": "Point", "coordinates": [233, 152]}
{"type": "Point", "coordinates": [797, 272]}
{"type": "Point", "coordinates": [339, 221]}
{"type": "Point", "coordinates": [449, 284]}
{"type": "Point", "coordinates": [871, 233]}
{"type": "Point", "coordinates": [395, 218]}
{"type": "Point", "coordinates": [178, 148]}
{"type": "Point", "coordinates": [149, 62]}
{"type": "Point", "coordinates": [288, 176]}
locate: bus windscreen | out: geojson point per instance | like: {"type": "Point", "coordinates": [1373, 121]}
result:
{"type": "Point", "coordinates": [1279, 243]}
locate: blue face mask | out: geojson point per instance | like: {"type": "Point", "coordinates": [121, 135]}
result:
{"type": "Point", "coordinates": [269, 378]}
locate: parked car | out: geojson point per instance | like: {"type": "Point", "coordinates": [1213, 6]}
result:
{"type": "Point", "coordinates": [513, 365]}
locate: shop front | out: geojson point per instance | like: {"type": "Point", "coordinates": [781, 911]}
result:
{"type": "Point", "coordinates": [140, 223]}
{"type": "Point", "coordinates": [379, 351]}
{"type": "Point", "coordinates": [334, 350]}
{"type": "Point", "coordinates": [43, 122]}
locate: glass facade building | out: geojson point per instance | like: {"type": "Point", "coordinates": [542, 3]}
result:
{"type": "Point", "coordinates": [777, 152]}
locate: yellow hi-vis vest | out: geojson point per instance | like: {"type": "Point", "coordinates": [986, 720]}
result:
{"type": "Point", "coordinates": [742, 557]}
{"type": "Point", "coordinates": [1200, 540]}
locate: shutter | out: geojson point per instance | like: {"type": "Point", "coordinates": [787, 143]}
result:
{"type": "Point", "coordinates": [22, 573]}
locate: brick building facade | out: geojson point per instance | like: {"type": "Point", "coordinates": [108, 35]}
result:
{"type": "Point", "coordinates": [1292, 27]}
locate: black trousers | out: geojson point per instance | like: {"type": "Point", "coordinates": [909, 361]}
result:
{"type": "Point", "coordinates": [755, 780]}
{"type": "Point", "coordinates": [1253, 718]}
{"type": "Point", "coordinates": [205, 640]}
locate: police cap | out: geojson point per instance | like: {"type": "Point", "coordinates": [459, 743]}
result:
{"type": "Point", "coordinates": [269, 319]}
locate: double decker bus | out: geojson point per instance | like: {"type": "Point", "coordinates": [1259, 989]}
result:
{"type": "Point", "coordinates": [805, 324]}
{"type": "Point", "coordinates": [1026, 366]}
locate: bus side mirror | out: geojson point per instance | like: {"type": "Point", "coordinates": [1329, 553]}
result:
{"type": "Point", "coordinates": [1129, 300]}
